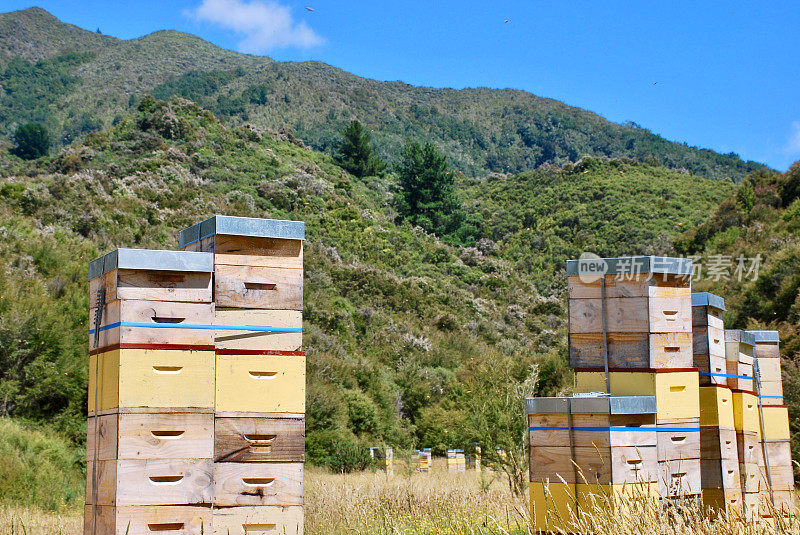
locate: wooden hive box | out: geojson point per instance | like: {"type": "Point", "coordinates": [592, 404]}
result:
{"type": "Point", "coordinates": [721, 502]}
{"type": "Point", "coordinates": [258, 262]}
{"type": "Point", "coordinates": [257, 520]}
{"type": "Point", "coordinates": [768, 359]}
{"type": "Point", "coordinates": [252, 331]}
{"type": "Point", "coordinates": [147, 519]}
{"type": "Point", "coordinates": [745, 412]}
{"type": "Point", "coordinates": [580, 439]}
{"type": "Point", "coordinates": [260, 384]}
{"type": "Point", "coordinates": [739, 359]}
{"type": "Point", "coordinates": [259, 438]}
{"type": "Point", "coordinates": [776, 422]}
{"type": "Point", "coordinates": [676, 390]}
{"type": "Point", "coordinates": [718, 443]}
{"type": "Point", "coordinates": [258, 484]}
{"type": "Point", "coordinates": [152, 378]}
{"type": "Point", "coordinates": [780, 476]}
{"type": "Point", "coordinates": [141, 433]}
{"type": "Point", "coordinates": [716, 407]}
{"type": "Point", "coordinates": [708, 337]}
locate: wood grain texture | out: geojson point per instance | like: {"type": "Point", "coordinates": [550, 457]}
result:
{"type": "Point", "coordinates": [743, 370]}
{"type": "Point", "coordinates": [260, 383]}
{"type": "Point", "coordinates": [720, 474]}
{"type": "Point", "coordinates": [594, 465]}
{"type": "Point", "coordinates": [152, 482]}
{"type": "Point", "coordinates": [166, 436]}
{"type": "Point", "coordinates": [258, 287]}
{"type": "Point", "coordinates": [676, 445]}
{"type": "Point", "coordinates": [634, 286]}
{"type": "Point", "coordinates": [106, 434]}
{"type": "Point", "coordinates": [156, 313]}
{"type": "Point", "coordinates": [671, 350]}
{"type": "Point", "coordinates": [679, 477]}
{"type": "Point", "coordinates": [257, 340]}
{"type": "Point", "coordinates": [592, 438]}
{"type": "Point", "coordinates": [258, 484]}
{"type": "Point", "coordinates": [632, 350]}
{"type": "Point", "coordinates": [722, 501]}
{"type": "Point", "coordinates": [718, 443]}
{"type": "Point", "coordinates": [258, 520]}
{"type": "Point", "coordinates": [768, 350]}
{"type": "Point", "coordinates": [631, 315]}
{"type": "Point", "coordinates": [705, 316]}
{"type": "Point", "coordinates": [780, 462]}
{"type": "Point", "coordinates": [149, 519]}
{"type": "Point", "coordinates": [253, 251]}
{"type": "Point", "coordinates": [750, 477]}
{"type": "Point", "coordinates": [670, 314]}
{"type": "Point", "coordinates": [709, 341]}
{"type": "Point", "coordinates": [259, 439]}
{"type": "Point", "coordinates": [152, 378]}
{"type": "Point", "coordinates": [152, 285]}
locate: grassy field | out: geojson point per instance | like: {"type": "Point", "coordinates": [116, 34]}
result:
{"type": "Point", "coordinates": [438, 503]}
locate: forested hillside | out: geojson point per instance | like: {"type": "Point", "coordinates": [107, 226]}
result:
{"type": "Point", "coordinates": [78, 82]}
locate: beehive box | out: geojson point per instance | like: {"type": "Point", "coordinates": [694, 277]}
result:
{"type": "Point", "coordinates": [260, 384]}
{"type": "Point", "coordinates": [745, 412]}
{"type": "Point", "coordinates": [582, 439]}
{"type": "Point", "coordinates": [676, 390]}
{"type": "Point", "coordinates": [716, 407]}
{"type": "Point", "coordinates": [646, 314]}
{"type": "Point", "coordinates": [258, 262]}
{"type": "Point", "coordinates": [739, 359]}
{"type": "Point", "coordinates": [258, 520]}
{"type": "Point", "coordinates": [146, 520]}
{"type": "Point", "coordinates": [708, 336]}
{"type": "Point", "coordinates": [768, 358]}
{"type": "Point", "coordinates": [251, 331]}
{"type": "Point", "coordinates": [257, 438]}
{"type": "Point", "coordinates": [239, 484]}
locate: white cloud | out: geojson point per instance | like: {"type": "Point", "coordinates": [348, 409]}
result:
{"type": "Point", "coordinates": [263, 25]}
{"type": "Point", "coordinates": [793, 146]}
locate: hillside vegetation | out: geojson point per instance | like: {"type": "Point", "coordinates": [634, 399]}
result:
{"type": "Point", "coordinates": [81, 82]}
{"type": "Point", "coordinates": [402, 329]}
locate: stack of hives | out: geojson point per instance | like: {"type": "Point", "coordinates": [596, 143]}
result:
{"type": "Point", "coordinates": [456, 462]}
{"type": "Point", "coordinates": [474, 457]}
{"type": "Point", "coordinates": [259, 418]}
{"type": "Point", "coordinates": [720, 476]}
{"type": "Point", "coordinates": [777, 481]}
{"type": "Point", "coordinates": [383, 458]}
{"type": "Point", "coordinates": [196, 405]}
{"type": "Point", "coordinates": [631, 335]}
{"type": "Point", "coordinates": [587, 451]}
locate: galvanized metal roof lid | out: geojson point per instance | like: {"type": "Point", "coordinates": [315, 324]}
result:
{"type": "Point", "coordinates": [765, 336]}
{"type": "Point", "coordinates": [738, 335]}
{"type": "Point", "coordinates": [597, 404]}
{"type": "Point", "coordinates": [150, 259]}
{"type": "Point", "coordinates": [243, 226]}
{"type": "Point", "coordinates": [705, 299]}
{"type": "Point", "coordinates": [629, 265]}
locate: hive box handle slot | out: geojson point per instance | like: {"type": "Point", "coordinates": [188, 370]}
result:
{"type": "Point", "coordinates": [263, 286]}
{"type": "Point", "coordinates": [168, 369]}
{"type": "Point", "coordinates": [634, 462]}
{"type": "Point", "coordinates": [263, 375]}
{"type": "Point", "coordinates": [260, 438]}
{"type": "Point", "coordinates": [677, 388]}
{"type": "Point", "coordinates": [678, 438]}
{"type": "Point", "coordinates": [166, 526]}
{"type": "Point", "coordinates": [257, 529]}
{"type": "Point", "coordinates": [258, 481]}
{"type": "Point", "coordinates": [671, 315]}
{"type": "Point", "coordinates": [162, 319]}
{"type": "Point", "coordinates": [672, 349]}
{"type": "Point", "coordinates": [679, 474]}
{"type": "Point", "coordinates": [166, 480]}
{"type": "Point", "coordinates": [167, 435]}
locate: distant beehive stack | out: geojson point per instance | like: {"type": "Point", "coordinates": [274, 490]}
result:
{"type": "Point", "coordinates": [456, 461]}
{"type": "Point", "coordinates": [473, 458]}
{"type": "Point", "coordinates": [259, 406]}
{"type": "Point", "coordinates": [777, 478]}
{"type": "Point", "coordinates": [591, 449]}
{"type": "Point", "coordinates": [151, 392]}
{"type": "Point", "coordinates": [384, 458]}
{"type": "Point", "coordinates": [720, 476]}
{"type": "Point", "coordinates": [630, 334]}
{"type": "Point", "coordinates": [197, 383]}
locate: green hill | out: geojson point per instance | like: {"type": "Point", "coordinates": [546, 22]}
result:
{"type": "Point", "coordinates": [79, 82]}
{"type": "Point", "coordinates": [397, 321]}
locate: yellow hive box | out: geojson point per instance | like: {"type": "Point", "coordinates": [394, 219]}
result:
{"type": "Point", "coordinates": [745, 412]}
{"type": "Point", "coordinates": [257, 520]}
{"type": "Point", "coordinates": [776, 422]}
{"type": "Point", "coordinates": [261, 383]}
{"type": "Point", "coordinates": [152, 378]}
{"type": "Point", "coordinates": [716, 406]}
{"type": "Point", "coordinates": [554, 505]}
{"type": "Point", "coordinates": [677, 392]}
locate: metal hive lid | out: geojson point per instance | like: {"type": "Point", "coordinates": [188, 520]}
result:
{"type": "Point", "coordinates": [705, 299]}
{"type": "Point", "coordinates": [243, 226]}
{"type": "Point", "coordinates": [738, 335]}
{"type": "Point", "coordinates": [631, 265]}
{"type": "Point", "coordinates": [150, 259]}
{"type": "Point", "coordinates": [765, 336]}
{"type": "Point", "coordinates": [598, 404]}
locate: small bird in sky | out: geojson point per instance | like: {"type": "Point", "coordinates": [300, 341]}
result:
{"type": "Point", "coordinates": [508, 20]}
{"type": "Point", "coordinates": [309, 8]}
{"type": "Point", "coordinates": [655, 83]}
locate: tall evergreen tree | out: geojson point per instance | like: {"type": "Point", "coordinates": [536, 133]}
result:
{"type": "Point", "coordinates": [427, 194]}
{"type": "Point", "coordinates": [32, 141]}
{"type": "Point", "coordinates": [355, 153]}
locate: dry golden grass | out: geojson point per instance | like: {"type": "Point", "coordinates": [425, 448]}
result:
{"type": "Point", "coordinates": [437, 503]}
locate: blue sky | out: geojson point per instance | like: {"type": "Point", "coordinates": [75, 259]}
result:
{"type": "Point", "coordinates": [722, 75]}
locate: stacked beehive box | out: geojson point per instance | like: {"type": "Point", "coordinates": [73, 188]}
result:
{"type": "Point", "coordinates": [383, 458]}
{"type": "Point", "coordinates": [474, 457]}
{"type": "Point", "coordinates": [456, 461]}
{"type": "Point", "coordinates": [259, 403]}
{"type": "Point", "coordinates": [777, 481]}
{"type": "Point", "coordinates": [630, 332]}
{"type": "Point", "coordinates": [151, 393]}
{"type": "Point", "coordinates": [720, 479]}
{"type": "Point", "coordinates": [739, 360]}
{"type": "Point", "coordinates": [596, 449]}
